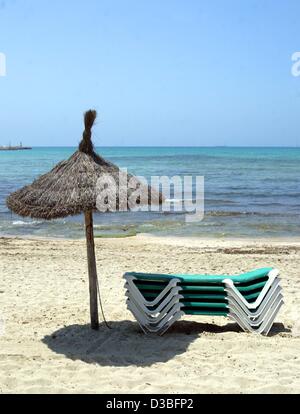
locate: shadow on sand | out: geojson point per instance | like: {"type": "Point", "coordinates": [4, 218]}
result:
{"type": "Point", "coordinates": [126, 345]}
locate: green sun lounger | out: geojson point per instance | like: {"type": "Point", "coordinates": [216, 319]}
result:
{"type": "Point", "coordinates": [235, 296]}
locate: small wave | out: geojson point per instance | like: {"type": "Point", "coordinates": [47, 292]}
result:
{"type": "Point", "coordinates": [174, 200]}
{"type": "Point", "coordinates": [179, 200]}
{"type": "Point", "coordinates": [25, 223]}
{"type": "Point", "coordinates": [257, 195]}
{"type": "Point", "coordinates": [238, 213]}
{"type": "Point", "coordinates": [219, 201]}
{"type": "Point", "coordinates": [105, 227]}
{"type": "Point", "coordinates": [182, 200]}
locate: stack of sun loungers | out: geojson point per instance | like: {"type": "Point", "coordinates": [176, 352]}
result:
{"type": "Point", "coordinates": [251, 299]}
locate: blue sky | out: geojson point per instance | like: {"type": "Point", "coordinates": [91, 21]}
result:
{"type": "Point", "coordinates": [159, 72]}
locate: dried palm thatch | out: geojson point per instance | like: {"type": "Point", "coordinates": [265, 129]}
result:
{"type": "Point", "coordinates": [70, 188]}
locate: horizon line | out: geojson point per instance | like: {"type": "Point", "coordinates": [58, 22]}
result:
{"type": "Point", "coordinates": [169, 146]}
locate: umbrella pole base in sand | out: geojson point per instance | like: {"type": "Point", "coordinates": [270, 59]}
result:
{"type": "Point", "coordinates": [89, 231]}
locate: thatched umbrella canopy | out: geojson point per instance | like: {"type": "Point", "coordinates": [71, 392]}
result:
{"type": "Point", "coordinates": [70, 188]}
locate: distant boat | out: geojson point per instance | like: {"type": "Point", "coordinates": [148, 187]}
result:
{"type": "Point", "coordinates": [14, 147]}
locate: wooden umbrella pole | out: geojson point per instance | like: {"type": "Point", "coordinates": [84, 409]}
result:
{"type": "Point", "coordinates": [89, 231]}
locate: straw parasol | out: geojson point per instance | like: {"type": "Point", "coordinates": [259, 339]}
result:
{"type": "Point", "coordinates": [70, 188]}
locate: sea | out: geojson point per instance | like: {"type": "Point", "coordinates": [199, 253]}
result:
{"type": "Point", "coordinates": [249, 192]}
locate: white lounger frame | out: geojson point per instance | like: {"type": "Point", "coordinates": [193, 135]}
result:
{"type": "Point", "coordinates": [134, 290]}
{"type": "Point", "coordinates": [262, 308]}
{"type": "Point", "coordinates": [264, 327]}
{"type": "Point", "coordinates": [258, 320]}
{"type": "Point", "coordinates": [163, 307]}
{"type": "Point", "coordinates": [163, 325]}
{"type": "Point", "coordinates": [273, 274]}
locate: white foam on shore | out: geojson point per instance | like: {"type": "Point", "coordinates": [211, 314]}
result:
{"type": "Point", "coordinates": [25, 223]}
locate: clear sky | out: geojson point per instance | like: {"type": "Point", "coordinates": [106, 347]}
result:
{"type": "Point", "coordinates": [159, 72]}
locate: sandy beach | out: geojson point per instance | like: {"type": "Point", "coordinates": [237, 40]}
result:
{"type": "Point", "coordinates": [46, 345]}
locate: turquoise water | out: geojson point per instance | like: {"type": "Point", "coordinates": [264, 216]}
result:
{"type": "Point", "coordinates": [249, 192]}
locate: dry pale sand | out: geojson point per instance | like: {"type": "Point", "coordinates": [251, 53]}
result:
{"type": "Point", "coordinates": [47, 345]}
